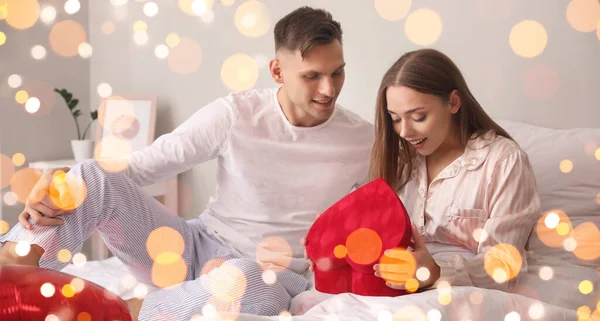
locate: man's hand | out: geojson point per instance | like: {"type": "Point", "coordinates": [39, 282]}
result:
{"type": "Point", "coordinates": [134, 305]}
{"type": "Point", "coordinates": [40, 205]}
{"type": "Point", "coordinates": [404, 264]}
{"type": "Point", "coordinates": [303, 242]}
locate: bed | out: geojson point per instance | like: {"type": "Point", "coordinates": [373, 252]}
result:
{"type": "Point", "coordinates": [563, 278]}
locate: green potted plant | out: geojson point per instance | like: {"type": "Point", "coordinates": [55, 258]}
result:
{"type": "Point", "coordinates": [82, 148]}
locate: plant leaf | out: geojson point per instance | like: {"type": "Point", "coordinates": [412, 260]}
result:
{"type": "Point", "coordinates": [94, 115]}
{"type": "Point", "coordinates": [73, 103]}
{"type": "Point", "coordinates": [77, 113]}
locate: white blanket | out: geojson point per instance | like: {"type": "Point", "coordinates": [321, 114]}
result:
{"type": "Point", "coordinates": [466, 303]}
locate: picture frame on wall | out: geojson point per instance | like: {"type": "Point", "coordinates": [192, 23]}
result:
{"type": "Point", "coordinates": [125, 124]}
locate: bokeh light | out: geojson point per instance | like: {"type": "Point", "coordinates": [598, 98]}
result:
{"type": "Point", "coordinates": [128, 281]}
{"type": "Point", "coordinates": [385, 315]}
{"type": "Point", "coordinates": [32, 105]}
{"type": "Point", "coordinates": [22, 182]}
{"type": "Point", "coordinates": [397, 265]}
{"type": "Point", "coordinates": [364, 246]}
{"type": "Point", "coordinates": [72, 6]}
{"type": "Point", "coordinates": [586, 287]}
{"type": "Point", "coordinates": [18, 159]}
{"type": "Point", "coordinates": [64, 256]}
{"type": "Point", "coordinates": [423, 27]}
{"type": "Point", "coordinates": [168, 270]}
{"type": "Point", "coordinates": [117, 3]}
{"type": "Point", "coordinates": [47, 290]}
{"type": "Point", "coordinates": [239, 72]}
{"type": "Point", "coordinates": [3, 9]}
{"type": "Point", "coordinates": [269, 277]}
{"type": "Point", "coordinates": [140, 291]}
{"type": "Point", "coordinates": [22, 14]}
{"type": "Point", "coordinates": [554, 237]}
{"type": "Point", "coordinates": [587, 237]}
{"type": "Point", "coordinates": [43, 92]}
{"type": "Point", "coordinates": [195, 7]}
{"type": "Point", "coordinates": [412, 285]}
{"type": "Point", "coordinates": [583, 15]}
{"type": "Point", "coordinates": [22, 248]}
{"type": "Point", "coordinates": [51, 317]}
{"type": "Point", "coordinates": [79, 260]}
{"type": "Point", "coordinates": [21, 96]}
{"type": "Point", "coordinates": [140, 26]}
{"type": "Point", "coordinates": [528, 38]}
{"type": "Point", "coordinates": [2, 38]}
{"type": "Point", "coordinates": [7, 170]}
{"type": "Point", "coordinates": [434, 315]}
{"type": "Point", "coordinates": [502, 262]}
{"type": "Point", "coordinates": [172, 40]}
{"type": "Point", "coordinates": [68, 291]}
{"type": "Point", "coordinates": [541, 82]}
{"type": "Point", "coordinates": [211, 265]}
{"type": "Point", "coordinates": [77, 284]}
{"type": "Point", "coordinates": [566, 166]}
{"type": "Point", "coordinates": [38, 52]}
{"type": "Point", "coordinates": [186, 57]}
{"type": "Point", "coordinates": [140, 38]}
{"type": "Point", "coordinates": [536, 311]}
{"type": "Point", "coordinates": [583, 313]}
{"type": "Point", "coordinates": [512, 316]}
{"type": "Point", "coordinates": [48, 14]}
{"type": "Point", "coordinates": [66, 36]}
{"type": "Point", "coordinates": [546, 273]}
{"type": "Point", "coordinates": [252, 18]}
{"type": "Point", "coordinates": [161, 51]}
{"type": "Point", "coordinates": [476, 297]}
{"type": "Point", "coordinates": [150, 9]}
{"type": "Point", "coordinates": [597, 154]}
{"type": "Point", "coordinates": [84, 316]}
{"type": "Point", "coordinates": [4, 227]}
{"type": "Point", "coordinates": [480, 235]}
{"type": "Point", "coordinates": [10, 198]}
{"type": "Point", "coordinates": [104, 90]}
{"type": "Point", "coordinates": [108, 27]}
{"type": "Point", "coordinates": [423, 274]}
{"type": "Point", "coordinates": [227, 3]}
{"type": "Point", "coordinates": [111, 153]}
{"type": "Point", "coordinates": [340, 251]}
{"type": "Point", "coordinates": [227, 282]}
{"type": "Point", "coordinates": [85, 50]}
{"type": "Point", "coordinates": [274, 252]}
{"type": "Point", "coordinates": [164, 240]}
{"type": "Point", "coordinates": [15, 81]}
{"type": "Point", "coordinates": [392, 10]}
{"type": "Point", "coordinates": [67, 191]}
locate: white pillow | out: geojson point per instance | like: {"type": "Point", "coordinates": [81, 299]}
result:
{"type": "Point", "coordinates": [576, 238]}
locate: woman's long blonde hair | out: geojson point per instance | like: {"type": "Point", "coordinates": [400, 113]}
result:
{"type": "Point", "coordinates": [430, 72]}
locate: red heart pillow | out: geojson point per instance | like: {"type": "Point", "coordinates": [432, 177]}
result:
{"type": "Point", "coordinates": [33, 293]}
{"type": "Point", "coordinates": [352, 235]}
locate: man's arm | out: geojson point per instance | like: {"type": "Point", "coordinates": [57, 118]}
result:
{"type": "Point", "coordinates": [200, 138]}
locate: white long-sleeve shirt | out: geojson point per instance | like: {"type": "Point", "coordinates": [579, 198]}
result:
{"type": "Point", "coordinates": [272, 178]}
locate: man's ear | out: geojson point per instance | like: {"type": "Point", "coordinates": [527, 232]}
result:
{"type": "Point", "coordinates": [275, 68]}
{"type": "Point", "coordinates": [455, 101]}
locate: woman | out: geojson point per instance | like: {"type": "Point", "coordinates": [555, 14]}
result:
{"type": "Point", "coordinates": [468, 187]}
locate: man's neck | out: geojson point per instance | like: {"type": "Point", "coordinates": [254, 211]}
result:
{"type": "Point", "coordinates": [296, 116]}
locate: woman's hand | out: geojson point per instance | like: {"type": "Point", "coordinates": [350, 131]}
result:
{"type": "Point", "coordinates": [398, 266]}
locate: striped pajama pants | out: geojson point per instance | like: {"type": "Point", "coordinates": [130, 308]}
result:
{"type": "Point", "coordinates": [125, 216]}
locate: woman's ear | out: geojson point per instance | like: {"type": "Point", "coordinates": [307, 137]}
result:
{"type": "Point", "coordinates": [455, 102]}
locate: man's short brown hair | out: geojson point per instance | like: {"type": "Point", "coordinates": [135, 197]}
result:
{"type": "Point", "coordinates": [305, 28]}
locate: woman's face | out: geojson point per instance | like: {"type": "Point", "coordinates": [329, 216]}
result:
{"type": "Point", "coordinates": [423, 120]}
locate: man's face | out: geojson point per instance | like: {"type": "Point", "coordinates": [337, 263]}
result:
{"type": "Point", "coordinates": [310, 85]}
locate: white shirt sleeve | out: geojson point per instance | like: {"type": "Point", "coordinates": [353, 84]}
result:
{"type": "Point", "coordinates": [200, 138]}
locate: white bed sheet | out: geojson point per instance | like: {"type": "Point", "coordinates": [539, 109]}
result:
{"type": "Point", "coordinates": [495, 305]}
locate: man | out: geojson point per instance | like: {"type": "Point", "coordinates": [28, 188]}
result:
{"type": "Point", "coordinates": [284, 155]}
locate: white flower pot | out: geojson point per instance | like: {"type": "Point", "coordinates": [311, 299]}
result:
{"type": "Point", "coordinates": [82, 149]}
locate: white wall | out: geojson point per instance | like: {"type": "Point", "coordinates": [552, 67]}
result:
{"type": "Point", "coordinates": [45, 135]}
{"type": "Point", "coordinates": [475, 34]}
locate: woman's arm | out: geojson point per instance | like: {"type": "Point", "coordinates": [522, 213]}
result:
{"type": "Point", "coordinates": [514, 205]}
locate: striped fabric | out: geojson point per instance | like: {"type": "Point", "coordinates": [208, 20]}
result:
{"type": "Point", "coordinates": [125, 216]}
{"type": "Point", "coordinates": [487, 197]}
